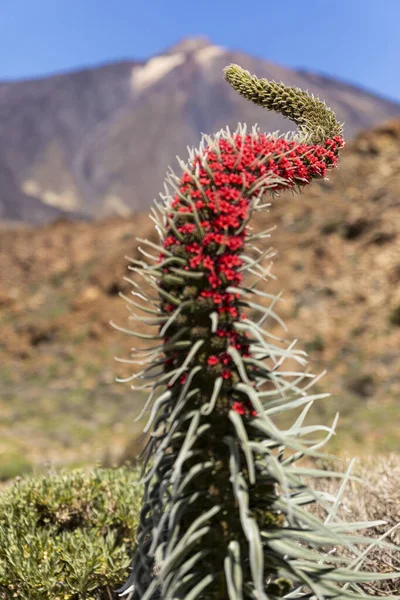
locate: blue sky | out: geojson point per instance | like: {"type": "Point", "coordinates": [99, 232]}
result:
{"type": "Point", "coordinates": [356, 40]}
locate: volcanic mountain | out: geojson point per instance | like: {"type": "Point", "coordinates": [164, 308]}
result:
{"type": "Point", "coordinates": [96, 142]}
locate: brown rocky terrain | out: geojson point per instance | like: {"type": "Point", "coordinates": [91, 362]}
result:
{"type": "Point", "coordinates": [339, 265]}
{"type": "Point", "coordinates": [97, 141]}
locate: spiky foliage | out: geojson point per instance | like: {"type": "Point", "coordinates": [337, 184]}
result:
{"type": "Point", "coordinates": [224, 512]}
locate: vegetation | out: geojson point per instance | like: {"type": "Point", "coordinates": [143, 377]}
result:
{"type": "Point", "coordinates": [225, 500]}
{"type": "Point", "coordinates": [78, 542]}
{"type": "Point", "coordinates": [374, 497]}
{"type": "Point", "coordinates": [68, 536]}
{"type": "Point", "coordinates": [237, 504]}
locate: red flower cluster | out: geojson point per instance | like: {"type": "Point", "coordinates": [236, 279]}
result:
{"type": "Point", "coordinates": [212, 360]}
{"type": "Point", "coordinates": [210, 212]}
{"type": "Point", "coordinates": [244, 409]}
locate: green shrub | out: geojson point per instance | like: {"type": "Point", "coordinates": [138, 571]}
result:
{"type": "Point", "coordinates": [68, 536]}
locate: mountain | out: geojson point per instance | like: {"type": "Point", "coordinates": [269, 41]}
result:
{"type": "Point", "coordinates": [97, 142]}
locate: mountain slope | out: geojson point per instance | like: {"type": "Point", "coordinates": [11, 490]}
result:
{"type": "Point", "coordinates": [98, 141]}
{"type": "Point", "coordinates": [18, 207]}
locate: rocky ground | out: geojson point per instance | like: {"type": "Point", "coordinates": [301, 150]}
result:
{"type": "Point", "coordinates": [339, 265]}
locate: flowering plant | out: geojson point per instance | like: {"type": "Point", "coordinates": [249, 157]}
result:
{"type": "Point", "coordinates": [224, 512]}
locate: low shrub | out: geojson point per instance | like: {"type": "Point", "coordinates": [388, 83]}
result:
{"type": "Point", "coordinates": [68, 536]}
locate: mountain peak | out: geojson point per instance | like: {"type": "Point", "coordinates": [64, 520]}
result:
{"type": "Point", "coordinates": [190, 44]}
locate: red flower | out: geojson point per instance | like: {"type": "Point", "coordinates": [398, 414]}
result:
{"type": "Point", "coordinates": [170, 241]}
{"type": "Point", "coordinates": [193, 248]}
{"type": "Point", "coordinates": [196, 261]}
{"type": "Point", "coordinates": [214, 281]}
{"type": "Point", "coordinates": [213, 360]}
{"type": "Point", "coordinates": [230, 261]}
{"type": "Point", "coordinates": [187, 228]}
{"type": "Point", "coordinates": [239, 408]}
{"type": "Point", "coordinates": [215, 216]}
{"type": "Point", "coordinates": [226, 359]}
{"type": "Point", "coordinates": [208, 263]}
{"type": "Point", "coordinates": [234, 243]}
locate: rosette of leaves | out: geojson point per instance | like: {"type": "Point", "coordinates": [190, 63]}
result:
{"type": "Point", "coordinates": [225, 505]}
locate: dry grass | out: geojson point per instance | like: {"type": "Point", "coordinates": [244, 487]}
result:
{"type": "Point", "coordinates": [377, 498]}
